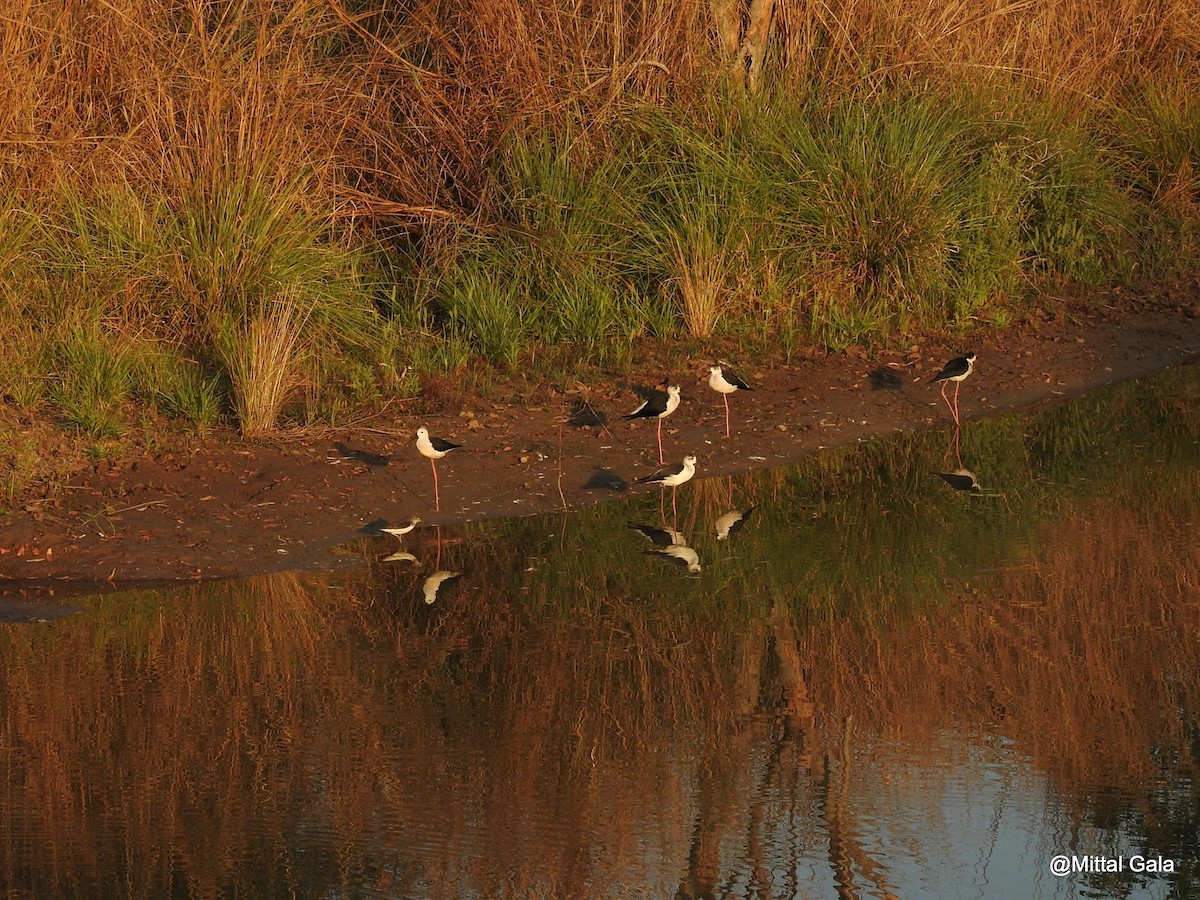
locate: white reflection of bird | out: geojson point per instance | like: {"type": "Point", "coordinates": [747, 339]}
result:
{"type": "Point", "coordinates": [678, 555]}
{"type": "Point", "coordinates": [732, 522]}
{"type": "Point", "coordinates": [961, 480]}
{"type": "Point", "coordinates": [662, 537]}
{"type": "Point", "coordinates": [435, 581]}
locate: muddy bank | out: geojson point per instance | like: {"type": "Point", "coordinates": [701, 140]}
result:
{"type": "Point", "coordinates": [223, 507]}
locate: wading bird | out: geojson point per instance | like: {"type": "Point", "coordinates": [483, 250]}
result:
{"type": "Point", "coordinates": [725, 383]}
{"type": "Point", "coordinates": [658, 406]}
{"type": "Point", "coordinates": [957, 371]}
{"type": "Point", "coordinates": [672, 476]}
{"type": "Point", "coordinates": [435, 449]}
{"type": "Point", "coordinates": [401, 530]}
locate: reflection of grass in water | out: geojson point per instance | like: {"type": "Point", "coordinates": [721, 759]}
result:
{"type": "Point", "coordinates": [249, 721]}
{"type": "Point", "coordinates": [868, 524]}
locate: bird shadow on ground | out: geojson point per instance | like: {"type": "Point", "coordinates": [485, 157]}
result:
{"type": "Point", "coordinates": [606, 480]}
{"type": "Point", "coordinates": [363, 456]}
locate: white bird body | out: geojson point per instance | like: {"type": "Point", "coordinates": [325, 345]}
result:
{"type": "Point", "coordinates": [673, 475]}
{"type": "Point", "coordinates": [956, 370]}
{"type": "Point", "coordinates": [658, 406]}
{"type": "Point", "coordinates": [725, 382]}
{"type": "Point", "coordinates": [401, 530]}
{"type": "Point", "coordinates": [434, 448]}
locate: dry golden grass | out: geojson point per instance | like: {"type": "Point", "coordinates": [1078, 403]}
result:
{"type": "Point", "coordinates": [264, 359]}
{"type": "Point", "coordinates": [397, 114]}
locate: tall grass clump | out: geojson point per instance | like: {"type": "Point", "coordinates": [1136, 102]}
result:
{"type": "Point", "coordinates": [266, 283]}
{"type": "Point", "coordinates": [483, 305]}
{"type": "Point", "coordinates": [870, 199]}
{"type": "Point", "coordinates": [264, 355]}
{"type": "Point", "coordinates": [95, 378]}
{"type": "Point", "coordinates": [573, 206]}
{"type": "Point", "coordinates": [1156, 126]}
{"type": "Point", "coordinates": [698, 224]}
{"type": "Point", "coordinates": [240, 273]}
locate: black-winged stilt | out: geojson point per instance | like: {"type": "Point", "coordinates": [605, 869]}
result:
{"type": "Point", "coordinates": [672, 476]}
{"type": "Point", "coordinates": [732, 522]}
{"type": "Point", "coordinates": [435, 581]}
{"type": "Point", "coordinates": [961, 480]}
{"type": "Point", "coordinates": [679, 555]}
{"type": "Point", "coordinates": [660, 537]}
{"type": "Point", "coordinates": [658, 406]}
{"type": "Point", "coordinates": [434, 449]}
{"type": "Point", "coordinates": [400, 556]}
{"type": "Point", "coordinates": [956, 370]}
{"type": "Point", "coordinates": [725, 383]}
{"type": "Point", "coordinates": [401, 530]}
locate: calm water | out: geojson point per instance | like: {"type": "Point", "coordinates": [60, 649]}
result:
{"type": "Point", "coordinates": [880, 686]}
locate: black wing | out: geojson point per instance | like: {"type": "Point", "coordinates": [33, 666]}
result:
{"type": "Point", "coordinates": [735, 381]}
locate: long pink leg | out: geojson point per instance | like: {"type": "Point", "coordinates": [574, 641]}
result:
{"type": "Point", "coordinates": [957, 385]}
{"type": "Point", "coordinates": [437, 500]}
{"type": "Point", "coordinates": [660, 453]}
{"type": "Point", "coordinates": [674, 510]}
{"type": "Point", "coordinates": [726, 397]}
{"type": "Point", "coordinates": [662, 499]}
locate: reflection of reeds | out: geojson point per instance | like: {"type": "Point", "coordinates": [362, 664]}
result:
{"type": "Point", "coordinates": [271, 736]}
{"type": "Point", "coordinates": [1085, 657]}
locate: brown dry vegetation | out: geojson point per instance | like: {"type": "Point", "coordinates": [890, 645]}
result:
{"type": "Point", "coordinates": [396, 110]}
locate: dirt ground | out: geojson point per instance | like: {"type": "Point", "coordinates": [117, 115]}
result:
{"type": "Point", "coordinates": [223, 507]}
